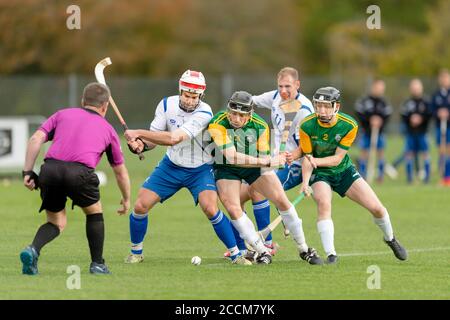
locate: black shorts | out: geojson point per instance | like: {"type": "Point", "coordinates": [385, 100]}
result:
{"type": "Point", "coordinates": [60, 179]}
{"type": "Point", "coordinates": [249, 175]}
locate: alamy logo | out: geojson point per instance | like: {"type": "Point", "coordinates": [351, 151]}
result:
{"type": "Point", "coordinates": [74, 20]}
{"type": "Point", "coordinates": [374, 20]}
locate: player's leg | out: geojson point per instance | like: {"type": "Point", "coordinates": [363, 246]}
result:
{"type": "Point", "coordinates": [53, 202]}
{"type": "Point", "coordinates": [261, 210]}
{"type": "Point", "coordinates": [95, 233]}
{"type": "Point", "coordinates": [145, 201]}
{"type": "Point", "coordinates": [364, 145]}
{"type": "Point", "coordinates": [270, 187]}
{"type": "Point", "coordinates": [322, 194]}
{"type": "Point", "coordinates": [447, 160]}
{"type": "Point", "coordinates": [207, 200]}
{"type": "Point", "coordinates": [424, 154]}
{"type": "Point", "coordinates": [409, 158]}
{"type": "Point", "coordinates": [164, 182]}
{"type": "Point", "coordinates": [56, 222]}
{"type": "Point", "coordinates": [229, 194]}
{"type": "Point", "coordinates": [381, 145]}
{"type": "Point", "coordinates": [362, 193]}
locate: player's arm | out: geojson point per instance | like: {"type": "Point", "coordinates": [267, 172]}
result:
{"type": "Point", "coordinates": [34, 146]}
{"type": "Point", "coordinates": [162, 138]}
{"type": "Point", "coordinates": [330, 161]}
{"type": "Point", "coordinates": [123, 182]}
{"type": "Point", "coordinates": [305, 148]}
{"type": "Point", "coordinates": [222, 140]}
{"type": "Point", "coordinates": [264, 100]}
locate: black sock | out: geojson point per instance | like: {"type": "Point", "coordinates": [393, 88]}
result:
{"type": "Point", "coordinates": [95, 232]}
{"type": "Point", "coordinates": [46, 233]}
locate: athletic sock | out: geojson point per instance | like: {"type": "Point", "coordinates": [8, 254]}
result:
{"type": "Point", "coordinates": [247, 231]}
{"type": "Point", "coordinates": [46, 233]}
{"type": "Point", "coordinates": [239, 241]}
{"type": "Point", "coordinates": [294, 224]}
{"type": "Point", "coordinates": [95, 232]}
{"type": "Point", "coordinates": [138, 229]}
{"type": "Point", "coordinates": [409, 170]}
{"type": "Point", "coordinates": [363, 167]}
{"type": "Point", "coordinates": [326, 232]}
{"type": "Point", "coordinates": [447, 168]}
{"type": "Point", "coordinates": [385, 225]}
{"type": "Point", "coordinates": [261, 210]}
{"type": "Point", "coordinates": [222, 227]}
{"type": "Point", "coordinates": [381, 169]}
{"type": "Point", "coordinates": [427, 166]}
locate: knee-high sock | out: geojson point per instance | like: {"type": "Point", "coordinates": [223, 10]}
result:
{"type": "Point", "coordinates": [95, 232]}
{"type": "Point", "coordinates": [294, 225]}
{"type": "Point", "coordinates": [222, 227]}
{"type": "Point", "coordinates": [326, 232]}
{"type": "Point", "coordinates": [138, 229]}
{"type": "Point", "coordinates": [363, 167]}
{"type": "Point", "coordinates": [427, 165]}
{"type": "Point", "coordinates": [447, 168]}
{"type": "Point", "coordinates": [46, 233]}
{"type": "Point", "coordinates": [247, 231]}
{"type": "Point", "coordinates": [385, 225]}
{"type": "Point", "coordinates": [261, 210]}
{"type": "Point", "coordinates": [239, 241]}
{"type": "Point", "coordinates": [409, 170]}
{"type": "Point", "coordinates": [381, 169]}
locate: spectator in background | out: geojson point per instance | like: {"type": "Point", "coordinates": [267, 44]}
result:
{"type": "Point", "coordinates": [373, 111]}
{"type": "Point", "coordinates": [416, 113]}
{"type": "Point", "coordinates": [440, 103]}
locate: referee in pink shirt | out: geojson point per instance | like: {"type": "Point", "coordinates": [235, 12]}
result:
{"type": "Point", "coordinates": [79, 138]}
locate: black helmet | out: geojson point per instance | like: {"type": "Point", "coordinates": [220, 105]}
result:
{"type": "Point", "coordinates": [327, 94]}
{"type": "Point", "coordinates": [241, 101]}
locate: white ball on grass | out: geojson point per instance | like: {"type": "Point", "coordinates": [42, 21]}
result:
{"type": "Point", "coordinates": [196, 260]}
{"type": "Point", "coordinates": [101, 177]}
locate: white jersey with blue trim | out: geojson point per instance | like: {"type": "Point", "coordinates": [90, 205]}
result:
{"type": "Point", "coordinates": [169, 117]}
{"type": "Point", "coordinates": [271, 100]}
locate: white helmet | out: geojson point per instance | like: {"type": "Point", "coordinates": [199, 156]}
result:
{"type": "Point", "coordinates": [192, 81]}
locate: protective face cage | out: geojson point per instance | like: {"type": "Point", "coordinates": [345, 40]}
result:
{"type": "Point", "coordinates": [240, 107]}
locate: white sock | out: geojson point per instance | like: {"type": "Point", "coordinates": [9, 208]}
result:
{"type": "Point", "coordinates": [326, 232]}
{"type": "Point", "coordinates": [247, 232]}
{"type": "Point", "coordinates": [385, 226]}
{"type": "Point", "coordinates": [294, 224]}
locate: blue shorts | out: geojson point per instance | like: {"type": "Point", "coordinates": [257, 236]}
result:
{"type": "Point", "coordinates": [416, 142]}
{"type": "Point", "coordinates": [438, 136]}
{"type": "Point", "coordinates": [290, 177]}
{"type": "Point", "coordinates": [168, 178]}
{"type": "Point", "coordinates": [364, 142]}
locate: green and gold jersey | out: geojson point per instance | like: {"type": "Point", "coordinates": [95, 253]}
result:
{"type": "Point", "coordinates": [253, 139]}
{"type": "Point", "coordinates": [321, 140]}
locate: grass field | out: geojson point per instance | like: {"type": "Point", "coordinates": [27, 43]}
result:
{"type": "Point", "coordinates": [178, 231]}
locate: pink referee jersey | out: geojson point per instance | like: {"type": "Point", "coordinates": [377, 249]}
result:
{"type": "Point", "coordinates": [81, 135]}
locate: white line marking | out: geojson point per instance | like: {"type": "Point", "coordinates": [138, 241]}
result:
{"type": "Point", "coordinates": [390, 252]}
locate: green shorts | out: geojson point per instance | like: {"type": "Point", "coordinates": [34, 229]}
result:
{"type": "Point", "coordinates": [339, 182]}
{"type": "Point", "coordinates": [249, 175]}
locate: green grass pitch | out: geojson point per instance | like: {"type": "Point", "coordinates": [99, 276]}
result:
{"type": "Point", "coordinates": [178, 231]}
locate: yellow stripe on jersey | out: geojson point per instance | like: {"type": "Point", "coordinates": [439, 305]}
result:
{"type": "Point", "coordinates": [219, 134]}
{"type": "Point", "coordinates": [260, 122]}
{"type": "Point", "coordinates": [341, 117]}
{"type": "Point", "coordinates": [220, 118]}
{"type": "Point", "coordinates": [305, 142]}
{"type": "Point", "coordinates": [312, 115]}
{"type": "Point", "coordinates": [347, 141]}
{"type": "Point", "coordinates": [263, 144]}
